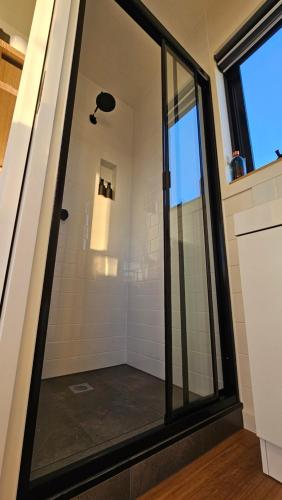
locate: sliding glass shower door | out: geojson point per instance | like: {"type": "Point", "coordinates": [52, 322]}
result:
{"type": "Point", "coordinates": [192, 361]}
{"type": "Point", "coordinates": [122, 368]}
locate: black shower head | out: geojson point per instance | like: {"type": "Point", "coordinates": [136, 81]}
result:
{"type": "Point", "coordinates": [105, 102]}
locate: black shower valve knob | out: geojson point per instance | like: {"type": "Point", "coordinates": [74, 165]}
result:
{"type": "Point", "coordinates": [64, 214]}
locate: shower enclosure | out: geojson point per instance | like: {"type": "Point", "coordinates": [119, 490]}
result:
{"type": "Point", "coordinates": [135, 343]}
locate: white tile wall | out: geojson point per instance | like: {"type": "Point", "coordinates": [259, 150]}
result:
{"type": "Point", "coordinates": [88, 316]}
{"type": "Point", "coordinates": [145, 328]}
{"type": "Point", "coordinates": [264, 192]}
{"type": "Point", "coordinates": [197, 311]}
{"type": "Point", "coordinates": [260, 192]}
{"type": "Point", "coordinates": [98, 319]}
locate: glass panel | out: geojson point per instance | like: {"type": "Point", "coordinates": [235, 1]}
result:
{"type": "Point", "coordinates": [193, 375]}
{"type": "Point", "coordinates": [261, 77]}
{"type": "Point", "coordinates": [104, 367]}
{"type": "Point", "coordinates": [210, 248]}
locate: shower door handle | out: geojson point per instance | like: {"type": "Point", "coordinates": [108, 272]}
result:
{"type": "Point", "coordinates": [64, 214]}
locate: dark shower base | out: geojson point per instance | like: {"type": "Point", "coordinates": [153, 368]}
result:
{"type": "Point", "coordinates": [124, 402]}
{"type": "Point", "coordinates": [139, 478]}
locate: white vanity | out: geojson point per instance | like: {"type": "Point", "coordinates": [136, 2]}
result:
{"type": "Point", "coordinates": [259, 236]}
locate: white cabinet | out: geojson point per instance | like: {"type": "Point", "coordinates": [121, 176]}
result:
{"type": "Point", "coordinates": [259, 236]}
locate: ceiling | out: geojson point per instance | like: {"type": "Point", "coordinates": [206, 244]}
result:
{"type": "Point", "coordinates": [178, 15]}
{"type": "Point", "coordinates": [118, 55]}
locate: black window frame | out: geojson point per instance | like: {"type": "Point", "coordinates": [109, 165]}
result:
{"type": "Point", "coordinates": [236, 107]}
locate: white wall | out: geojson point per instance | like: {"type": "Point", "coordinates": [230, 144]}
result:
{"type": "Point", "coordinates": [261, 186]}
{"type": "Point", "coordinates": [87, 322]}
{"type": "Point", "coordinates": [16, 16]}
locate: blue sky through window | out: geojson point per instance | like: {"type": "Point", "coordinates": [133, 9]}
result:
{"type": "Point", "coordinates": [184, 159]}
{"type": "Point", "coordinates": [262, 85]}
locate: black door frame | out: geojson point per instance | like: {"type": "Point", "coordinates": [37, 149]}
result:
{"type": "Point", "coordinates": [87, 472]}
{"type": "Point", "coordinates": [187, 404]}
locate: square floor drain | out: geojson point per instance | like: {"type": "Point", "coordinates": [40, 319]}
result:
{"type": "Point", "coordinates": [81, 388]}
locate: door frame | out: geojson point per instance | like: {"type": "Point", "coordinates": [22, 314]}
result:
{"type": "Point", "coordinates": [12, 180]}
{"type": "Point", "coordinates": [76, 477]}
{"type": "Point", "coordinates": [12, 176]}
{"type": "Point", "coordinates": [49, 36]}
{"type": "Point", "coordinates": [187, 406]}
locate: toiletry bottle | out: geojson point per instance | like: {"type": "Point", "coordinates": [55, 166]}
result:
{"type": "Point", "coordinates": [102, 188]}
{"type": "Point", "coordinates": [237, 165]}
{"type": "Point", "coordinates": [109, 191]}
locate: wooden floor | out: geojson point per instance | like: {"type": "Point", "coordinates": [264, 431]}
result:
{"type": "Point", "coordinates": [232, 470]}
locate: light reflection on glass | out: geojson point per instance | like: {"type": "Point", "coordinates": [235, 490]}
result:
{"type": "Point", "coordinates": [105, 266]}
{"type": "Point", "coordinates": [100, 220]}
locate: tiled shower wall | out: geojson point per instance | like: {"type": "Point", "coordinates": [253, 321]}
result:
{"type": "Point", "coordinates": [196, 302]}
{"type": "Point", "coordinates": [107, 299]}
{"type": "Point", "coordinates": [145, 328]}
{"type": "Point", "coordinates": [87, 323]}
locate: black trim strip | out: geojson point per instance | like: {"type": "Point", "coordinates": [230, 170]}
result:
{"type": "Point", "coordinates": [236, 46]}
{"type": "Point", "coordinates": [181, 262]}
{"type": "Point", "coordinates": [167, 251]}
{"type": "Point", "coordinates": [206, 245]}
{"type": "Point", "coordinates": [259, 230]}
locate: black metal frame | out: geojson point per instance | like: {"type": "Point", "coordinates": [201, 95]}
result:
{"type": "Point", "coordinates": [252, 29]}
{"type": "Point", "coordinates": [166, 230]}
{"type": "Point", "coordinates": [186, 406]}
{"type": "Point", "coordinates": [237, 114]}
{"type": "Point", "coordinates": [87, 472]}
{"type": "Point", "coordinates": [181, 263]}
{"type": "Point", "coordinates": [203, 167]}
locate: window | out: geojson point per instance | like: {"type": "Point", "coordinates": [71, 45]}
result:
{"type": "Point", "coordinates": [254, 91]}
{"type": "Point", "coordinates": [261, 77]}
{"type": "Point", "coordinates": [252, 67]}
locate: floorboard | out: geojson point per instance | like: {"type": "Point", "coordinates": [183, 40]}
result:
{"type": "Point", "coordinates": [231, 470]}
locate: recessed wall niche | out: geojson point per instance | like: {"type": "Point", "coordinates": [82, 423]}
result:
{"type": "Point", "coordinates": [108, 175]}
